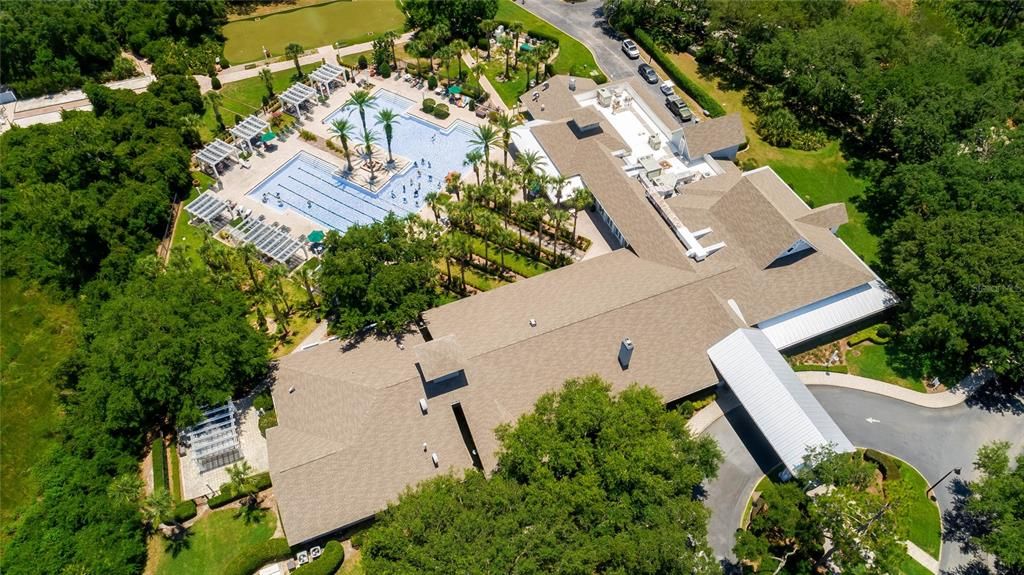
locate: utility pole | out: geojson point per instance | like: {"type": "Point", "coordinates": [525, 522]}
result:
{"type": "Point", "coordinates": [928, 492]}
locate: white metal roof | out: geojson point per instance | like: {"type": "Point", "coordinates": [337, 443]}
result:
{"type": "Point", "coordinates": [249, 128]}
{"type": "Point", "coordinates": [297, 94]}
{"type": "Point", "coordinates": [828, 314]}
{"type": "Point", "coordinates": [215, 152]}
{"type": "Point", "coordinates": [207, 206]}
{"type": "Point", "coordinates": [326, 73]}
{"type": "Point", "coordinates": [782, 407]}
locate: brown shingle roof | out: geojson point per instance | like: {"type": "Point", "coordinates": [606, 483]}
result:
{"type": "Point", "coordinates": [439, 357]}
{"type": "Point", "coordinates": [755, 224]}
{"type": "Point", "coordinates": [714, 134]}
{"type": "Point", "coordinates": [557, 101]}
{"type": "Point", "coordinates": [827, 216]}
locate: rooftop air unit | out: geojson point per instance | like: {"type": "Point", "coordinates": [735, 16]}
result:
{"type": "Point", "coordinates": [433, 457]}
{"type": "Point", "coordinates": [423, 405]}
{"type": "Point", "coordinates": [625, 353]}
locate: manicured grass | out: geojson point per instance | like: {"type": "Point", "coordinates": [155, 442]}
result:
{"type": "Point", "coordinates": [873, 361]}
{"type": "Point", "coordinates": [212, 542]}
{"type": "Point", "coordinates": [474, 278]}
{"type": "Point", "coordinates": [923, 515]}
{"type": "Point", "coordinates": [245, 97]}
{"type": "Point", "coordinates": [509, 90]}
{"type": "Point", "coordinates": [821, 175]}
{"type": "Point", "coordinates": [351, 22]}
{"type": "Point", "coordinates": [175, 471]}
{"type": "Point", "coordinates": [188, 238]}
{"type": "Point", "coordinates": [515, 262]}
{"type": "Point", "coordinates": [571, 52]}
{"type": "Point", "coordinates": [268, 9]}
{"type": "Point", "coordinates": [38, 334]}
{"type": "Point", "coordinates": [911, 567]}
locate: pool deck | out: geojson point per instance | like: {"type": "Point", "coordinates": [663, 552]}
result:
{"type": "Point", "coordinates": [237, 182]}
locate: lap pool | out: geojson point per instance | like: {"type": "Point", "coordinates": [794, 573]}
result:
{"type": "Point", "coordinates": [308, 185]}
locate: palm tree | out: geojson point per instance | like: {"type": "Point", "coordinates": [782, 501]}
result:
{"type": "Point", "coordinates": [529, 162]}
{"type": "Point", "coordinates": [542, 53]}
{"type": "Point", "coordinates": [483, 138]}
{"type": "Point", "coordinates": [504, 195]}
{"type": "Point", "coordinates": [363, 101]}
{"type": "Point", "coordinates": [486, 221]}
{"type": "Point", "coordinates": [505, 122]}
{"type": "Point", "coordinates": [521, 211]}
{"type": "Point", "coordinates": [539, 208]}
{"type": "Point", "coordinates": [387, 118]}
{"type": "Point", "coordinates": [506, 47]}
{"type": "Point", "coordinates": [462, 252]}
{"type": "Point", "coordinates": [250, 255]}
{"type": "Point", "coordinates": [306, 277]}
{"type": "Point", "coordinates": [582, 199]}
{"type": "Point", "coordinates": [342, 130]}
{"type": "Point", "coordinates": [558, 217]}
{"type": "Point", "coordinates": [368, 152]}
{"type": "Point", "coordinates": [293, 51]}
{"type": "Point", "coordinates": [473, 158]}
{"type": "Point", "coordinates": [126, 489]}
{"type": "Point", "coordinates": [275, 276]}
{"type": "Point", "coordinates": [240, 478]}
{"type": "Point", "coordinates": [445, 54]}
{"type": "Point", "coordinates": [529, 59]}
{"type": "Point", "coordinates": [391, 36]}
{"type": "Point", "coordinates": [453, 184]}
{"type": "Point", "coordinates": [432, 199]}
{"type": "Point", "coordinates": [516, 28]}
{"type": "Point", "coordinates": [458, 48]}
{"type": "Point", "coordinates": [268, 81]}
{"type": "Point", "coordinates": [214, 98]}
{"type": "Point", "coordinates": [487, 27]}
{"type": "Point", "coordinates": [558, 182]}
{"type": "Point", "coordinates": [416, 48]}
{"type": "Point", "coordinates": [446, 249]}
{"type": "Point", "coordinates": [158, 509]}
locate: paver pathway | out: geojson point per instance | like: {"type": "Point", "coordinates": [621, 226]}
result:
{"type": "Point", "coordinates": [921, 556]}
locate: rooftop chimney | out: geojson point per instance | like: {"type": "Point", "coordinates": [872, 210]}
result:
{"type": "Point", "coordinates": [625, 353]}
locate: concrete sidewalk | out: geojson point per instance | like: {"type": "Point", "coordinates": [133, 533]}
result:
{"type": "Point", "coordinates": [323, 53]}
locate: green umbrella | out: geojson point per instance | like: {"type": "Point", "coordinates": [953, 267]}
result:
{"type": "Point", "coordinates": [267, 137]}
{"type": "Point", "coordinates": [454, 90]}
{"type": "Point", "coordinates": [316, 236]}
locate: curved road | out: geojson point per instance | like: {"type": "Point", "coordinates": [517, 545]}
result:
{"type": "Point", "coordinates": [932, 440]}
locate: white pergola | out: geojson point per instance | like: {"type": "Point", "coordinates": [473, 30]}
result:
{"type": "Point", "coordinates": [295, 96]}
{"type": "Point", "coordinates": [214, 442]}
{"type": "Point", "coordinates": [273, 241]}
{"type": "Point", "coordinates": [207, 206]}
{"type": "Point", "coordinates": [216, 152]}
{"type": "Point", "coordinates": [324, 75]}
{"type": "Point", "coordinates": [248, 129]}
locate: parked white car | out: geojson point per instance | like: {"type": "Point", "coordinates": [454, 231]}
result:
{"type": "Point", "coordinates": [667, 88]}
{"type": "Point", "coordinates": [631, 49]}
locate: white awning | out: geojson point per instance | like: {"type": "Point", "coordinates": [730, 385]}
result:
{"type": "Point", "coordinates": [828, 314]}
{"type": "Point", "coordinates": [780, 405]}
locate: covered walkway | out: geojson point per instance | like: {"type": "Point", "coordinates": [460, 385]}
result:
{"type": "Point", "coordinates": [780, 405]}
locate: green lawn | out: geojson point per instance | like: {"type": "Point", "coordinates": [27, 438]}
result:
{"type": "Point", "coordinates": [245, 97]}
{"type": "Point", "coordinates": [911, 567]}
{"type": "Point", "coordinates": [522, 265]}
{"type": "Point", "coordinates": [821, 175]}
{"type": "Point", "coordinates": [873, 361]}
{"type": "Point", "coordinates": [188, 238]}
{"type": "Point", "coordinates": [212, 542]}
{"type": "Point", "coordinates": [474, 278]}
{"type": "Point", "coordinates": [351, 22]}
{"type": "Point", "coordinates": [38, 334]}
{"type": "Point", "coordinates": [923, 519]}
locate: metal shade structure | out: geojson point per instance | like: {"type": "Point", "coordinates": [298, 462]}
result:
{"type": "Point", "coordinates": [216, 152]}
{"type": "Point", "coordinates": [295, 96]}
{"type": "Point", "coordinates": [248, 129]}
{"type": "Point", "coordinates": [324, 75]}
{"type": "Point", "coordinates": [273, 240]}
{"type": "Point", "coordinates": [780, 405]}
{"type": "Point", "coordinates": [214, 442]}
{"type": "Point", "coordinates": [207, 206]}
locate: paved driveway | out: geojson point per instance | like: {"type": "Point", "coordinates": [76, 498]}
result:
{"type": "Point", "coordinates": [932, 440]}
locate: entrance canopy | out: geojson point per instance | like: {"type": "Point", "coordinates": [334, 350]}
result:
{"type": "Point", "coordinates": [782, 407]}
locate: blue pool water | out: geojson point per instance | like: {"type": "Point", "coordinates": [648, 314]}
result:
{"type": "Point", "coordinates": [307, 185]}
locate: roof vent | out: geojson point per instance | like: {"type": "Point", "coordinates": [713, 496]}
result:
{"type": "Point", "coordinates": [433, 457]}
{"type": "Point", "coordinates": [533, 322]}
{"type": "Point", "coordinates": [291, 389]}
{"type": "Point", "coordinates": [423, 405]}
{"type": "Point", "coordinates": [625, 353]}
{"type": "Point", "coordinates": [572, 84]}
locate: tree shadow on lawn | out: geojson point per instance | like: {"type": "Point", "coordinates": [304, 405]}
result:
{"type": "Point", "coordinates": [179, 543]}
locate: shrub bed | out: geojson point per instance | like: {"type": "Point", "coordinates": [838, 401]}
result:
{"type": "Point", "coordinates": [428, 105]}
{"type": "Point", "coordinates": [247, 562]}
{"type": "Point", "coordinates": [441, 111]}
{"type": "Point", "coordinates": [887, 465]}
{"type": "Point", "coordinates": [267, 420]}
{"type": "Point", "coordinates": [184, 511]}
{"type": "Point", "coordinates": [159, 465]}
{"type": "Point", "coordinates": [682, 80]}
{"type": "Point", "coordinates": [227, 493]}
{"type": "Point", "coordinates": [828, 368]}
{"type": "Point", "coordinates": [876, 334]}
{"type": "Point", "coordinates": [326, 564]}
{"type": "Point", "coordinates": [516, 262]}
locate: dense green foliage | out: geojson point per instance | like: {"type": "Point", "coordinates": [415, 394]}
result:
{"type": "Point", "coordinates": [251, 559]}
{"type": "Point", "coordinates": [587, 483]}
{"type": "Point", "coordinates": [675, 24]}
{"type": "Point", "coordinates": [789, 526]}
{"type": "Point", "coordinates": [926, 103]}
{"type": "Point", "coordinates": [50, 46]}
{"type": "Point", "coordinates": [997, 505]}
{"type": "Point", "coordinates": [228, 493]}
{"type": "Point", "coordinates": [382, 274]}
{"type": "Point", "coordinates": [459, 18]}
{"type": "Point", "coordinates": [326, 564]}
{"type": "Point", "coordinates": [88, 193]}
{"type": "Point", "coordinates": [184, 511]}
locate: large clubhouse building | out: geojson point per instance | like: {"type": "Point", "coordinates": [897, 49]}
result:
{"type": "Point", "coordinates": [718, 270]}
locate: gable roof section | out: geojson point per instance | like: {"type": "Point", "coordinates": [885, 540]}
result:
{"type": "Point", "coordinates": [439, 357]}
{"type": "Point", "coordinates": [758, 227]}
{"type": "Point", "coordinates": [714, 134]}
{"type": "Point", "coordinates": [827, 216]}
{"type": "Point", "coordinates": [781, 406]}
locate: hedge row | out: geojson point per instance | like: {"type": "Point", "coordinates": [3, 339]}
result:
{"type": "Point", "coordinates": [876, 334]}
{"type": "Point", "coordinates": [184, 511]}
{"type": "Point", "coordinates": [889, 467]}
{"type": "Point", "coordinates": [682, 80]}
{"type": "Point", "coordinates": [248, 561]}
{"type": "Point", "coordinates": [828, 368]}
{"type": "Point", "coordinates": [159, 465]}
{"type": "Point", "coordinates": [326, 564]}
{"type": "Point", "coordinates": [227, 493]}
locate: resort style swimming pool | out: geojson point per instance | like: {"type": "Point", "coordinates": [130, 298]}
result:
{"type": "Point", "coordinates": [309, 185]}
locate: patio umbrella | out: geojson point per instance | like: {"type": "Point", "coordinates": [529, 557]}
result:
{"type": "Point", "coordinates": [267, 137]}
{"type": "Point", "coordinates": [315, 236]}
{"type": "Point", "coordinates": [454, 90]}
